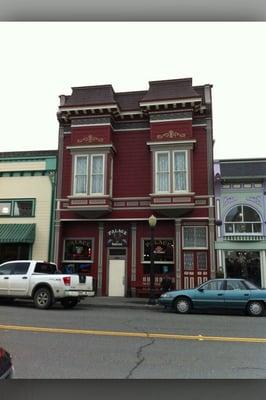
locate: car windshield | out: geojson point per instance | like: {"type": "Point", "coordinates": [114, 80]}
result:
{"type": "Point", "coordinates": [251, 286]}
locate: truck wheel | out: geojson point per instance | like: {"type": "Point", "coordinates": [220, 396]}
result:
{"type": "Point", "coordinates": [43, 298]}
{"type": "Point", "coordinates": [69, 303]}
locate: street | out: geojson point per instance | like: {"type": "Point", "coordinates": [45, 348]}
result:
{"type": "Point", "coordinates": [131, 341]}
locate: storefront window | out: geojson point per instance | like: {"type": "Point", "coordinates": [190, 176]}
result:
{"type": "Point", "coordinates": [163, 250]}
{"type": "Point", "coordinates": [77, 268]}
{"type": "Point", "coordinates": [243, 264]}
{"type": "Point", "coordinates": [78, 250]}
{"type": "Point", "coordinates": [159, 269]}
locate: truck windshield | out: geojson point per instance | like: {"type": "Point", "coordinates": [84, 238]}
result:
{"type": "Point", "coordinates": [45, 268]}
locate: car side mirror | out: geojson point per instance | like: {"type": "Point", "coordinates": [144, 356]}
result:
{"type": "Point", "coordinates": [200, 289]}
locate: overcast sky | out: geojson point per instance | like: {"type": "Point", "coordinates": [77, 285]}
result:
{"type": "Point", "coordinates": [40, 61]}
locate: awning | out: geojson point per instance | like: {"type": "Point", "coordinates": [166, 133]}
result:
{"type": "Point", "coordinates": [17, 233]}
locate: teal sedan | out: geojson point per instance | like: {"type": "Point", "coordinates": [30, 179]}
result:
{"type": "Point", "coordinates": [231, 294]}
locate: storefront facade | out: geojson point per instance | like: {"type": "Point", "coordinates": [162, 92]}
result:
{"type": "Point", "coordinates": [122, 158]}
{"type": "Point", "coordinates": [240, 187]}
{"type": "Point", "coordinates": [27, 181]}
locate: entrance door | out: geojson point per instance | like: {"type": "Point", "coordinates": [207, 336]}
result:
{"type": "Point", "coordinates": [117, 270]}
{"type": "Point", "coordinates": [195, 268]}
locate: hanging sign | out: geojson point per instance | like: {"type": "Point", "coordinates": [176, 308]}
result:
{"type": "Point", "coordinates": [117, 238]}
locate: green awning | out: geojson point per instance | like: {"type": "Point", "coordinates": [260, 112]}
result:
{"type": "Point", "coordinates": [17, 233]}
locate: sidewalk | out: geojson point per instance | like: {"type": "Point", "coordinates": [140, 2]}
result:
{"type": "Point", "coordinates": [119, 302]}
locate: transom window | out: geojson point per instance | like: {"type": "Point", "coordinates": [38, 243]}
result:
{"type": "Point", "coordinates": [89, 174]}
{"type": "Point", "coordinates": [17, 208]}
{"type": "Point", "coordinates": [242, 220]}
{"type": "Point", "coordinates": [171, 171]}
{"type": "Point", "coordinates": [195, 237]}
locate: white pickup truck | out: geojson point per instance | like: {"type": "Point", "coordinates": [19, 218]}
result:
{"type": "Point", "coordinates": [43, 282]}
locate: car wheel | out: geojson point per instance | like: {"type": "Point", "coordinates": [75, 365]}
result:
{"type": "Point", "coordinates": [69, 303]}
{"type": "Point", "coordinates": [182, 305]}
{"type": "Point", "coordinates": [43, 298]}
{"type": "Point", "coordinates": [255, 308]}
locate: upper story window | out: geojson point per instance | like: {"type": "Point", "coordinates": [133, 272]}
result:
{"type": "Point", "coordinates": [171, 171]}
{"type": "Point", "coordinates": [89, 174]}
{"type": "Point", "coordinates": [17, 208]}
{"type": "Point", "coordinates": [241, 220]}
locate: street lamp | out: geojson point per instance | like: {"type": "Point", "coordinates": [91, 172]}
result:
{"type": "Point", "coordinates": [152, 223]}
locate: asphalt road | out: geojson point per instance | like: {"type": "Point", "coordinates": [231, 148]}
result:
{"type": "Point", "coordinates": [96, 341]}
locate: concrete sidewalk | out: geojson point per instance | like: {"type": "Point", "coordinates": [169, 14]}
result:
{"type": "Point", "coordinates": [119, 302]}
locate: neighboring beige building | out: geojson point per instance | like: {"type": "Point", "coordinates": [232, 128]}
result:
{"type": "Point", "coordinates": [27, 198]}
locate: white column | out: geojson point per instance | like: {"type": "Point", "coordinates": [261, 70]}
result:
{"type": "Point", "coordinates": [178, 251]}
{"type": "Point", "coordinates": [100, 259]}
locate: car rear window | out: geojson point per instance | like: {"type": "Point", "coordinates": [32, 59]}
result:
{"type": "Point", "coordinates": [45, 268]}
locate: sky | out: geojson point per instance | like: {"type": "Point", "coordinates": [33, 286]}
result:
{"type": "Point", "coordinates": [42, 60]}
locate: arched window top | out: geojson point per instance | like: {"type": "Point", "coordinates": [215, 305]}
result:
{"type": "Point", "coordinates": [243, 220]}
{"type": "Point", "coordinates": [242, 214]}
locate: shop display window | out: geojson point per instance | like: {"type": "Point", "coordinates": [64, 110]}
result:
{"type": "Point", "coordinates": [159, 269]}
{"type": "Point", "coordinates": [78, 250]}
{"type": "Point", "coordinates": [163, 250]}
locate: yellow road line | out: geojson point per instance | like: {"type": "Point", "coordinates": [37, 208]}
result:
{"type": "Point", "coordinates": [145, 335]}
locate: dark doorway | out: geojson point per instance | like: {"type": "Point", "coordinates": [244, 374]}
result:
{"type": "Point", "coordinates": [14, 251]}
{"type": "Point", "coordinates": [243, 264]}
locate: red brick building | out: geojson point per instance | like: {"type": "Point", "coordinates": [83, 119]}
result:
{"type": "Point", "coordinates": [125, 156]}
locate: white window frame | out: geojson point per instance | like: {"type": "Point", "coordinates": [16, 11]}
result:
{"type": "Point", "coordinates": [156, 171]}
{"type": "Point", "coordinates": [89, 158]}
{"type": "Point", "coordinates": [235, 223]}
{"type": "Point", "coordinates": [196, 247]}
{"type": "Point", "coordinates": [90, 173]}
{"type": "Point", "coordinates": [75, 173]}
{"type": "Point", "coordinates": [186, 170]}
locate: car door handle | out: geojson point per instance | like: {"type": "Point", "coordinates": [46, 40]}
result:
{"type": "Point", "coordinates": [246, 294]}
{"type": "Point", "coordinates": [6, 277]}
{"type": "Point", "coordinates": [25, 277]}
{"type": "Point", "coordinates": [220, 294]}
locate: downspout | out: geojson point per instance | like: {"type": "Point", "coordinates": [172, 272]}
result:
{"type": "Point", "coordinates": [52, 177]}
